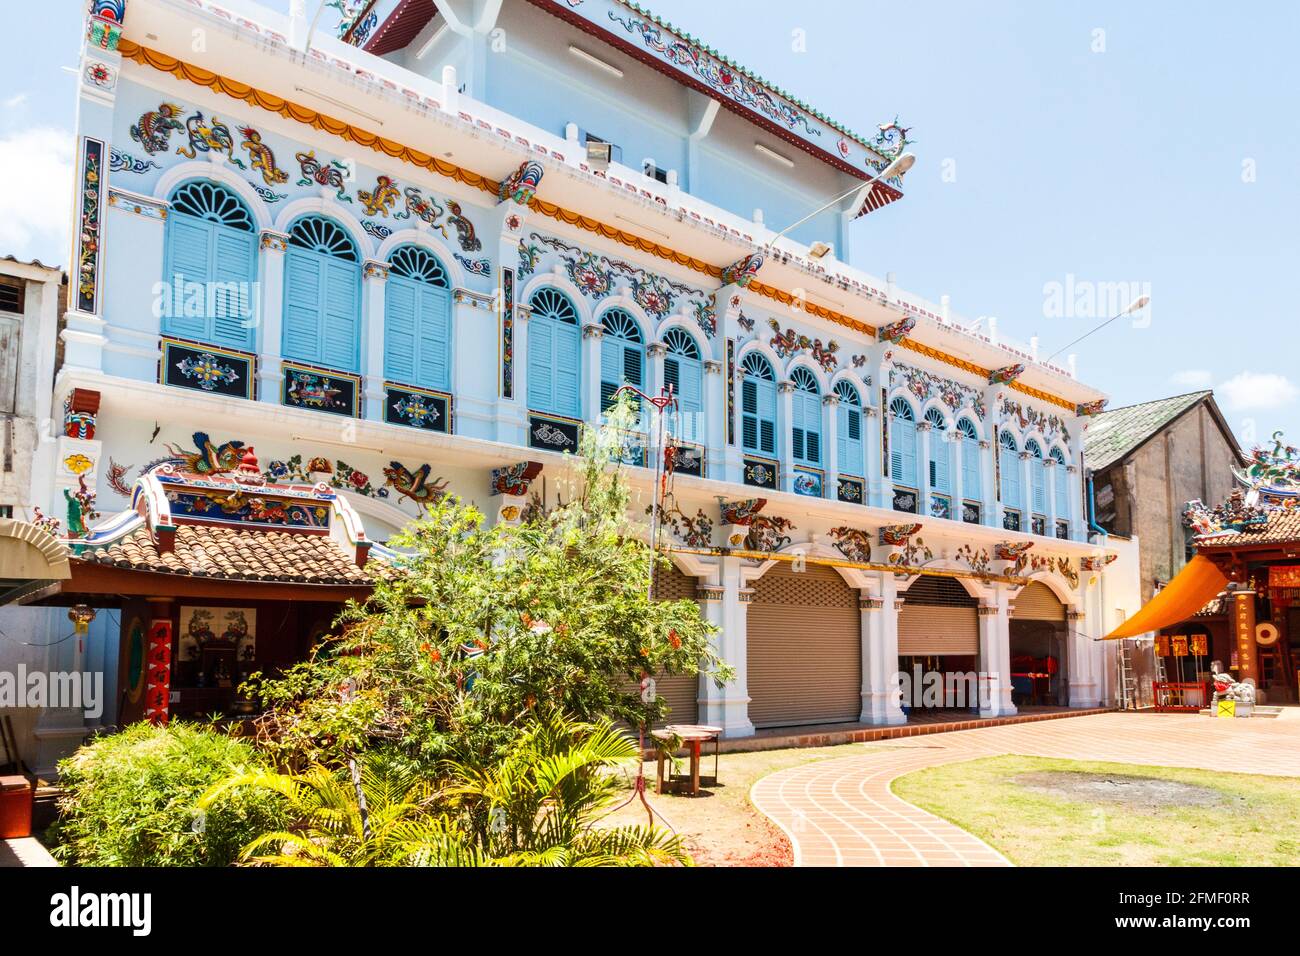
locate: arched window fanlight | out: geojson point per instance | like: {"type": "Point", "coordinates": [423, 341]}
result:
{"type": "Point", "coordinates": [681, 343]}
{"type": "Point", "coordinates": [418, 263]}
{"type": "Point", "coordinates": [755, 365]}
{"type": "Point", "coordinates": [212, 203]}
{"type": "Point", "coordinates": [552, 304]}
{"type": "Point", "coordinates": [323, 236]}
{"type": "Point", "coordinates": [619, 323]}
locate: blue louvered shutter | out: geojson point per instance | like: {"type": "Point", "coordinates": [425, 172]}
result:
{"type": "Point", "coordinates": [749, 414]}
{"type": "Point", "coordinates": [302, 297]}
{"type": "Point", "coordinates": [611, 370]}
{"type": "Point", "coordinates": [1010, 467]}
{"type": "Point", "coordinates": [848, 436]}
{"type": "Point", "coordinates": [807, 430]}
{"type": "Point", "coordinates": [970, 468]}
{"type": "Point", "coordinates": [541, 376]}
{"type": "Point", "coordinates": [340, 310]}
{"type": "Point", "coordinates": [434, 331]}
{"type": "Point", "coordinates": [189, 253]}
{"type": "Point", "coordinates": [568, 383]}
{"type": "Point", "coordinates": [902, 450]}
{"type": "Point", "coordinates": [400, 310]}
{"type": "Point", "coordinates": [940, 456]}
{"type": "Point", "coordinates": [1062, 490]}
{"type": "Point", "coordinates": [689, 387]}
{"type": "Point", "coordinates": [234, 265]}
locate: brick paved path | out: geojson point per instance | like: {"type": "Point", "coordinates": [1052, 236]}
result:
{"type": "Point", "coordinates": [841, 812]}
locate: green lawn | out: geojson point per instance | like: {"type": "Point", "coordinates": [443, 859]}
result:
{"type": "Point", "coordinates": [1179, 817]}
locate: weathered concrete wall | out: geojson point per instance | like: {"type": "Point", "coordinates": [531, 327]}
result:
{"type": "Point", "coordinates": [1190, 459]}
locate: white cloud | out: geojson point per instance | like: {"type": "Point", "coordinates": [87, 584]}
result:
{"type": "Point", "coordinates": [35, 203]}
{"type": "Point", "coordinates": [1263, 390]}
{"type": "Point", "coordinates": [1193, 378]}
{"type": "Point", "coordinates": [15, 101]}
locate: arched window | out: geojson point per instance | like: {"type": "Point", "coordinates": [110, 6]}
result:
{"type": "Point", "coordinates": [685, 373]}
{"type": "Point", "coordinates": [970, 460]}
{"type": "Point", "coordinates": [554, 365]}
{"type": "Point", "coordinates": [1009, 468]}
{"type": "Point", "coordinates": [902, 444]}
{"type": "Point", "coordinates": [758, 405]}
{"type": "Point", "coordinates": [940, 456]}
{"type": "Point", "coordinates": [806, 417]}
{"type": "Point", "coordinates": [210, 264]}
{"type": "Point", "coordinates": [322, 295]}
{"type": "Point", "coordinates": [1037, 476]}
{"type": "Point", "coordinates": [1061, 477]}
{"type": "Point", "coordinates": [848, 430]}
{"type": "Point", "coordinates": [417, 319]}
{"type": "Point", "coordinates": [622, 355]}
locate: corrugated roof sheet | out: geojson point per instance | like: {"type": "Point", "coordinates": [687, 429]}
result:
{"type": "Point", "coordinates": [1113, 434]}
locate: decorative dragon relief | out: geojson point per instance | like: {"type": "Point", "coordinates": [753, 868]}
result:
{"type": "Point", "coordinates": [924, 386]}
{"type": "Point", "coordinates": [897, 535]}
{"type": "Point", "coordinates": [768, 533]}
{"type": "Point", "coordinates": [1011, 550]}
{"type": "Point", "coordinates": [1028, 564]}
{"type": "Point", "coordinates": [853, 543]}
{"type": "Point", "coordinates": [1096, 562]}
{"type": "Point", "coordinates": [790, 343]}
{"type": "Point", "coordinates": [694, 532]}
{"type": "Point", "coordinates": [1051, 426]}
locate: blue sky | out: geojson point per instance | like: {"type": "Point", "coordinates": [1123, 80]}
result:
{"type": "Point", "coordinates": [1155, 144]}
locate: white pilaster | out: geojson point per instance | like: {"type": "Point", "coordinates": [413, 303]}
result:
{"type": "Point", "coordinates": [995, 654]}
{"type": "Point", "coordinates": [591, 336]}
{"type": "Point", "coordinates": [271, 309]}
{"type": "Point", "coordinates": [830, 435]}
{"type": "Point", "coordinates": [726, 607]}
{"type": "Point", "coordinates": [375, 277]}
{"type": "Point", "coordinates": [785, 432]}
{"type": "Point", "coordinates": [879, 621]}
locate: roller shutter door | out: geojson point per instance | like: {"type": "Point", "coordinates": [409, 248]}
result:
{"type": "Point", "coordinates": [1037, 603]}
{"type": "Point", "coordinates": [938, 617]}
{"type": "Point", "coordinates": [805, 649]}
{"type": "Point", "coordinates": [682, 691]}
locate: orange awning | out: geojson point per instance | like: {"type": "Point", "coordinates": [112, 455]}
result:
{"type": "Point", "coordinates": [1187, 593]}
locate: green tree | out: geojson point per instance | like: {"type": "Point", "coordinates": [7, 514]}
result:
{"type": "Point", "coordinates": [480, 625]}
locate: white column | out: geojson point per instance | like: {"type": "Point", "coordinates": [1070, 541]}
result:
{"type": "Point", "coordinates": [990, 512]}
{"type": "Point", "coordinates": [712, 432]}
{"type": "Point", "coordinates": [830, 436]}
{"type": "Point", "coordinates": [1026, 492]}
{"type": "Point", "coordinates": [1049, 467]}
{"type": "Point", "coordinates": [654, 360]}
{"type": "Point", "coordinates": [591, 336]}
{"type": "Point", "coordinates": [504, 428]}
{"type": "Point", "coordinates": [879, 622]}
{"type": "Point", "coordinates": [872, 422]}
{"type": "Point", "coordinates": [725, 606]}
{"type": "Point", "coordinates": [995, 654]}
{"type": "Point", "coordinates": [924, 430]}
{"type": "Point", "coordinates": [1085, 685]}
{"type": "Point", "coordinates": [271, 309]}
{"type": "Point", "coordinates": [958, 449]}
{"type": "Point", "coordinates": [375, 276]}
{"type": "Point", "coordinates": [785, 431]}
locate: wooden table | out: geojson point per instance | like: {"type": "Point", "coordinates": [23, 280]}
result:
{"type": "Point", "coordinates": [693, 736]}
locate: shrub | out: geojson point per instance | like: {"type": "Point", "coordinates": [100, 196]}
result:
{"type": "Point", "coordinates": [130, 799]}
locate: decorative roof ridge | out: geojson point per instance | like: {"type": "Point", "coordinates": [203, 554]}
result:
{"type": "Point", "coordinates": [722, 58]}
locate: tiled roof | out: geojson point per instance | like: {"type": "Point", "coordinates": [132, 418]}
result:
{"type": "Point", "coordinates": [1283, 526]}
{"type": "Point", "coordinates": [238, 555]}
{"type": "Point", "coordinates": [1113, 434]}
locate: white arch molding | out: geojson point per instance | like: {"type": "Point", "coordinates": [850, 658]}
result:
{"type": "Point", "coordinates": [818, 373]}
{"type": "Point", "coordinates": [626, 303]}
{"type": "Point", "coordinates": [855, 578]}
{"type": "Point", "coordinates": [411, 236]}
{"type": "Point", "coordinates": [1057, 585]}
{"type": "Point", "coordinates": [216, 172]}
{"type": "Point", "coordinates": [857, 381]}
{"type": "Point", "coordinates": [560, 283]}
{"type": "Point", "coordinates": [676, 321]}
{"type": "Point", "coordinates": [331, 209]}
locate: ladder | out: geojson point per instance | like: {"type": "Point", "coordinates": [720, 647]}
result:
{"type": "Point", "coordinates": [1127, 679]}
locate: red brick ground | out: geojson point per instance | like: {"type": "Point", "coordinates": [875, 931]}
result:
{"type": "Point", "coordinates": [842, 812]}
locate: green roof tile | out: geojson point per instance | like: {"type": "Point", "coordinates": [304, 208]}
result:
{"type": "Point", "coordinates": [1114, 433]}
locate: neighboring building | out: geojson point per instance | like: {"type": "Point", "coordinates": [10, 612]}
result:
{"type": "Point", "coordinates": [31, 304]}
{"type": "Point", "coordinates": [1147, 462]}
{"type": "Point", "coordinates": [401, 264]}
